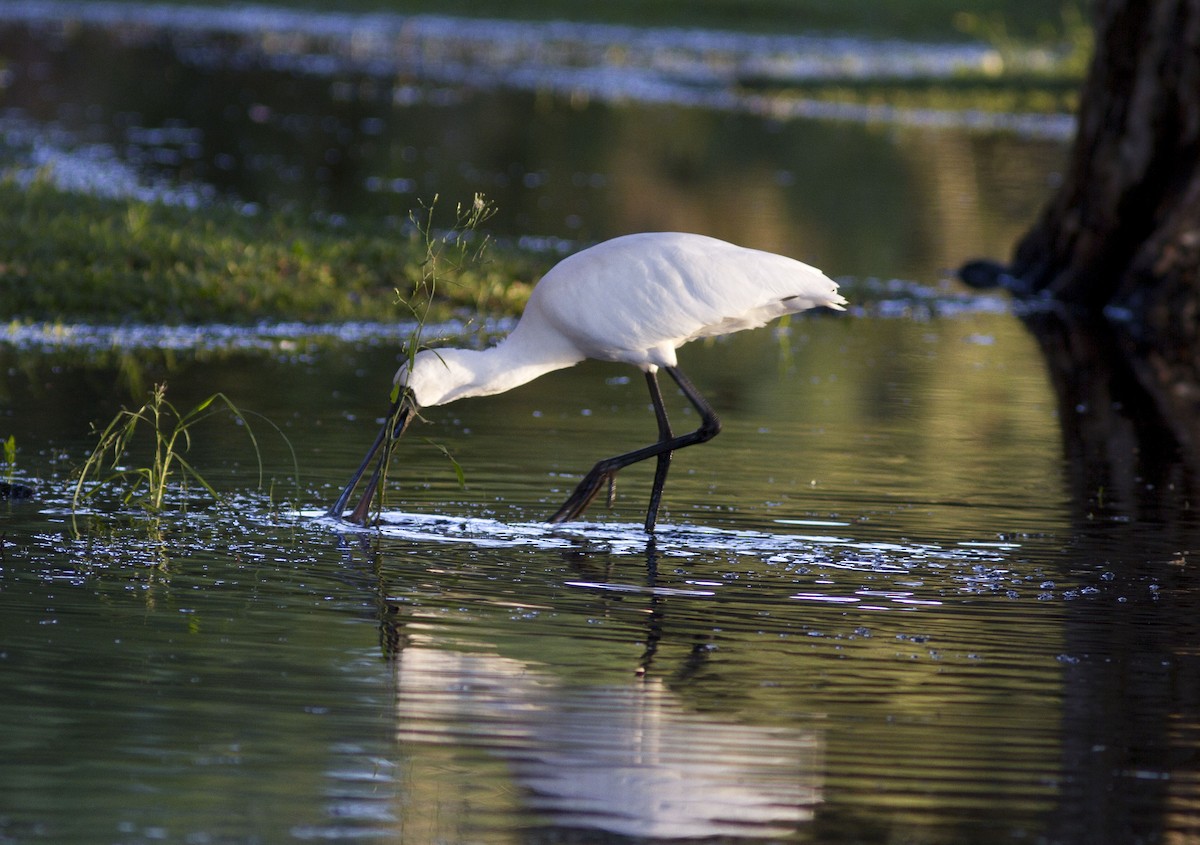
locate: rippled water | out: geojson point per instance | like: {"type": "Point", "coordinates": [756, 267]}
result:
{"type": "Point", "coordinates": [874, 612]}
{"type": "Point", "coordinates": [901, 598]}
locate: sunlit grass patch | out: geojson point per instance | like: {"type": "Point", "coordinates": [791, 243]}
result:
{"type": "Point", "coordinates": [997, 96]}
{"type": "Point", "coordinates": [68, 256]}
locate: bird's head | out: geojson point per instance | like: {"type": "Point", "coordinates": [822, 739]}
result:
{"type": "Point", "coordinates": [430, 377]}
{"type": "Point", "coordinates": [437, 376]}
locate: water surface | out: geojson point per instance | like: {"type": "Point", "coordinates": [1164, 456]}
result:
{"type": "Point", "coordinates": [872, 611]}
{"type": "Point", "coordinates": [884, 605]}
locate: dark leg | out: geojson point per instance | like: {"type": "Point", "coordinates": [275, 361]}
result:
{"type": "Point", "coordinates": [603, 471]}
{"type": "Point", "coordinates": [664, 458]}
{"type": "Point", "coordinates": [361, 513]}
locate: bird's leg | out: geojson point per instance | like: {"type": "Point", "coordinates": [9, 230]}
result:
{"type": "Point", "coordinates": [361, 513]}
{"type": "Point", "coordinates": [664, 458]}
{"type": "Point", "coordinates": [599, 475]}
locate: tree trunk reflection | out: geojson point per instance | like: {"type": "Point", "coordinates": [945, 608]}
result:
{"type": "Point", "coordinates": [1131, 706]}
{"type": "Point", "coordinates": [1130, 437]}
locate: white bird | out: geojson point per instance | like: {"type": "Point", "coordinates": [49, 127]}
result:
{"type": "Point", "coordinates": [634, 299]}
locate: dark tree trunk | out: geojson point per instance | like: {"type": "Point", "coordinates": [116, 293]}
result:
{"type": "Point", "coordinates": [1121, 237]}
{"type": "Point", "coordinates": [1124, 228]}
{"type": "Point", "coordinates": [1114, 265]}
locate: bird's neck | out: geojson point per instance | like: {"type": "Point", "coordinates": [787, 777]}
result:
{"type": "Point", "coordinates": [462, 373]}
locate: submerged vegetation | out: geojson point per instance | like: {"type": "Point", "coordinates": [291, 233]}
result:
{"type": "Point", "coordinates": [67, 256]}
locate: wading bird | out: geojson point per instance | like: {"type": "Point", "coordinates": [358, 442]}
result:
{"type": "Point", "coordinates": [634, 299]}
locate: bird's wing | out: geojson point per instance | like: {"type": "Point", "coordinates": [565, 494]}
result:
{"type": "Point", "coordinates": [640, 297]}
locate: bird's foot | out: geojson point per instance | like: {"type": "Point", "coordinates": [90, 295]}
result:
{"type": "Point", "coordinates": [586, 490]}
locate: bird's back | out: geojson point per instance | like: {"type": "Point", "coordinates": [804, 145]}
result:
{"type": "Point", "coordinates": [637, 298]}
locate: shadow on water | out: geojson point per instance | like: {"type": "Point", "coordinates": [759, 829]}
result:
{"type": "Point", "coordinates": [1132, 699]}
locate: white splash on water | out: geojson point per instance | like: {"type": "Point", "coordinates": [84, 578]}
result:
{"type": "Point", "coordinates": [973, 567]}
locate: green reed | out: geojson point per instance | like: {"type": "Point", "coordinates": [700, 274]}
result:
{"type": "Point", "coordinates": [162, 434]}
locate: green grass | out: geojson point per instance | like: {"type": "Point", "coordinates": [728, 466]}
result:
{"type": "Point", "coordinates": [169, 436]}
{"type": "Point", "coordinates": [66, 256]}
{"type": "Point", "coordinates": [1031, 94]}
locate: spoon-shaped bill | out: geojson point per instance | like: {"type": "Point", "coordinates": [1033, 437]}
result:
{"type": "Point", "coordinates": [398, 417]}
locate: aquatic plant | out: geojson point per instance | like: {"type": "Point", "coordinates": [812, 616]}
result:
{"type": "Point", "coordinates": [9, 488]}
{"type": "Point", "coordinates": [169, 435]}
{"type": "Point", "coordinates": [10, 457]}
{"type": "Point", "coordinates": [449, 255]}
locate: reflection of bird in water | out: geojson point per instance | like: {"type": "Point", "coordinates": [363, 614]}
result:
{"type": "Point", "coordinates": [634, 299]}
{"type": "Point", "coordinates": [628, 759]}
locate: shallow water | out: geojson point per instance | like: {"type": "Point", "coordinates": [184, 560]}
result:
{"type": "Point", "coordinates": [890, 603]}
{"type": "Point", "coordinates": [873, 611]}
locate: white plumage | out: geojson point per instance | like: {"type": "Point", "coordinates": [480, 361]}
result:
{"type": "Point", "coordinates": [633, 299]}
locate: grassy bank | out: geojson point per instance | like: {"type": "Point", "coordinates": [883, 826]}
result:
{"type": "Point", "coordinates": [70, 257]}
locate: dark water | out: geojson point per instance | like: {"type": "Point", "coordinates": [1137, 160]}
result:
{"type": "Point", "coordinates": [888, 604]}
{"type": "Point", "coordinates": [874, 612]}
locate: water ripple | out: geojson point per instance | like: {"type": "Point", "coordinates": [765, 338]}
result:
{"type": "Point", "coordinates": [670, 539]}
{"type": "Point", "coordinates": [632, 759]}
{"type": "Point", "coordinates": [968, 567]}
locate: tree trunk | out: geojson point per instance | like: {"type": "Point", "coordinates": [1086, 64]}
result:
{"type": "Point", "coordinates": [1116, 257]}
{"type": "Point", "coordinates": [1116, 252]}
{"type": "Point", "coordinates": [1124, 228]}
